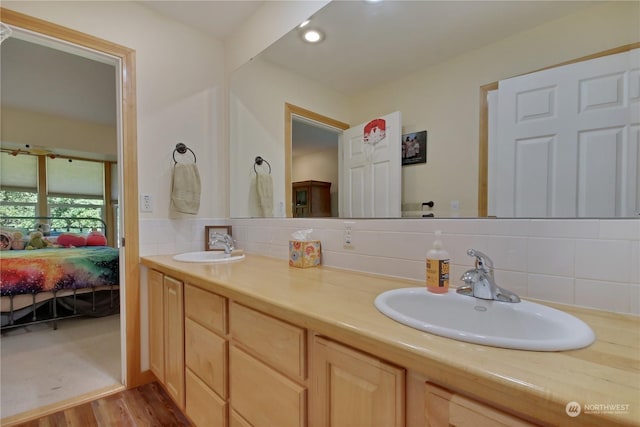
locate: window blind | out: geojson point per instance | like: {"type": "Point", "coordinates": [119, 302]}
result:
{"type": "Point", "coordinates": [78, 177]}
{"type": "Point", "coordinates": [20, 172]}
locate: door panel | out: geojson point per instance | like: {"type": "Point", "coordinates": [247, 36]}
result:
{"type": "Point", "coordinates": [372, 168]}
{"type": "Point", "coordinates": [567, 144]}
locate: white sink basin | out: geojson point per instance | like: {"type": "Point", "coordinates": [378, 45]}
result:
{"type": "Point", "coordinates": [523, 326]}
{"type": "Point", "coordinates": [207, 256]}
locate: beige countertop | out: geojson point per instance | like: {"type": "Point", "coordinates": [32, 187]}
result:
{"type": "Point", "coordinates": [603, 378]}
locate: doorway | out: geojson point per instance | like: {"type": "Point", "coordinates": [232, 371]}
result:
{"type": "Point", "coordinates": [314, 159]}
{"type": "Point", "coordinates": [310, 126]}
{"type": "Point", "coordinates": [127, 158]}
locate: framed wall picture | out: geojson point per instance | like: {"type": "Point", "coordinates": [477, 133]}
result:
{"type": "Point", "coordinates": [208, 234]}
{"type": "Point", "coordinates": [414, 148]}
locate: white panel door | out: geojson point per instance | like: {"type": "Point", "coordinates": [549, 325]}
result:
{"type": "Point", "coordinates": [371, 177]}
{"type": "Point", "coordinates": [568, 140]}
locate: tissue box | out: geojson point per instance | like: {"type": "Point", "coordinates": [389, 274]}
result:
{"type": "Point", "coordinates": [305, 253]}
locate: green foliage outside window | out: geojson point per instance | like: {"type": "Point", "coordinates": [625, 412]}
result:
{"type": "Point", "coordinates": [24, 204]}
{"type": "Point", "coordinates": [18, 203]}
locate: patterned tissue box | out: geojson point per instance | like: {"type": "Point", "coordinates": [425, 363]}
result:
{"type": "Point", "coordinates": [304, 254]}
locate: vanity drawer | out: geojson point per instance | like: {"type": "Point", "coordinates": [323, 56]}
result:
{"type": "Point", "coordinates": [206, 308]}
{"type": "Point", "coordinates": [275, 342]}
{"type": "Point", "coordinates": [262, 396]}
{"type": "Point", "coordinates": [206, 356]}
{"type": "Point", "coordinates": [445, 408]}
{"type": "Point", "coordinates": [203, 406]}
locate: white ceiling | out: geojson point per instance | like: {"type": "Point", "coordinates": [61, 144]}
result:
{"type": "Point", "coordinates": [368, 44]}
{"type": "Point", "coordinates": [217, 18]}
{"type": "Point", "coordinates": [38, 78]}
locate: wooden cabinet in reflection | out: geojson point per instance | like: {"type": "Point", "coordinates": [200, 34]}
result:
{"type": "Point", "coordinates": [311, 198]}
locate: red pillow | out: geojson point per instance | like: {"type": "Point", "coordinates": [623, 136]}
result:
{"type": "Point", "coordinates": [69, 239]}
{"type": "Point", "coordinates": [96, 238]}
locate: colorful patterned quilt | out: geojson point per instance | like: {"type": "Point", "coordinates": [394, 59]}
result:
{"type": "Point", "coordinates": [33, 271]}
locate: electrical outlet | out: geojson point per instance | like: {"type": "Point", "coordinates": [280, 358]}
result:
{"type": "Point", "coordinates": [348, 235]}
{"type": "Point", "coordinates": [146, 203]}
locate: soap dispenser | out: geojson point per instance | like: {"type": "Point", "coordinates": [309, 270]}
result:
{"type": "Point", "coordinates": [437, 267]}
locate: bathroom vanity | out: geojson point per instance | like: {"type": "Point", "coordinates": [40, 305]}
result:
{"type": "Point", "coordinates": [234, 346]}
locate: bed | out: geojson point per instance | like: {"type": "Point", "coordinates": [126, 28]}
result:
{"type": "Point", "coordinates": [48, 284]}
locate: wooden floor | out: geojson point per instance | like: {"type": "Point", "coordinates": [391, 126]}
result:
{"type": "Point", "coordinates": [147, 405]}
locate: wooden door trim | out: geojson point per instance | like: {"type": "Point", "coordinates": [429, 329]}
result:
{"type": "Point", "coordinates": [289, 111]}
{"type": "Point", "coordinates": [126, 56]}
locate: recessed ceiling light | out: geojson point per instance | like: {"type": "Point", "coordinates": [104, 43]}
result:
{"type": "Point", "coordinates": [313, 36]}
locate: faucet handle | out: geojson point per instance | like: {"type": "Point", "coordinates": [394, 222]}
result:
{"type": "Point", "coordinates": [483, 262]}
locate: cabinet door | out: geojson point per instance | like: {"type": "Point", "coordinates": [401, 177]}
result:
{"type": "Point", "coordinates": [445, 409]}
{"type": "Point", "coordinates": [174, 340]}
{"type": "Point", "coordinates": [156, 323]}
{"type": "Point", "coordinates": [354, 389]}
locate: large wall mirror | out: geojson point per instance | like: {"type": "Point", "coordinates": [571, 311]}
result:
{"type": "Point", "coordinates": [430, 60]}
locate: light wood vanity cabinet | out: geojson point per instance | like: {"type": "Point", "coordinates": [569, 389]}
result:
{"type": "Point", "coordinates": [156, 323]}
{"type": "Point", "coordinates": [174, 339]}
{"type": "Point", "coordinates": [166, 333]}
{"type": "Point", "coordinates": [444, 409]}
{"type": "Point", "coordinates": [226, 364]}
{"type": "Point", "coordinates": [355, 389]}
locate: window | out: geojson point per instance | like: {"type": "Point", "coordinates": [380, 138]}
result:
{"type": "Point", "coordinates": [18, 187]}
{"type": "Point", "coordinates": [75, 189]}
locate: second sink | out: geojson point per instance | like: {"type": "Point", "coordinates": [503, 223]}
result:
{"type": "Point", "coordinates": [523, 326]}
{"type": "Point", "coordinates": [207, 256]}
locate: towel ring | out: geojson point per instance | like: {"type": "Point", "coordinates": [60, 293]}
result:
{"type": "Point", "coordinates": [182, 149]}
{"type": "Point", "coordinates": [259, 160]}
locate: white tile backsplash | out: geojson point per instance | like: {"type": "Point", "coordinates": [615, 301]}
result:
{"type": "Point", "coordinates": [608, 296]}
{"type": "Point", "coordinates": [551, 256]}
{"type": "Point", "coordinates": [604, 260]}
{"type": "Point", "coordinates": [592, 263]}
{"type": "Point", "coordinates": [551, 288]}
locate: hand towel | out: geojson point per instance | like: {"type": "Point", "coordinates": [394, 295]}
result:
{"type": "Point", "coordinates": [185, 191]}
{"type": "Point", "coordinates": [264, 188]}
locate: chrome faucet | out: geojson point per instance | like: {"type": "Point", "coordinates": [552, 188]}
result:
{"type": "Point", "coordinates": [480, 283]}
{"type": "Point", "coordinates": [224, 239]}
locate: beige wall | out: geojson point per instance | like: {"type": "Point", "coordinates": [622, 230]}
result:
{"type": "Point", "coordinates": [444, 99]}
{"type": "Point", "coordinates": [54, 132]}
{"type": "Point", "coordinates": [257, 96]}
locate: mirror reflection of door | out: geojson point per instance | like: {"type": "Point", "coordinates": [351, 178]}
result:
{"type": "Point", "coordinates": [572, 150]}
{"type": "Point", "coordinates": [372, 168]}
